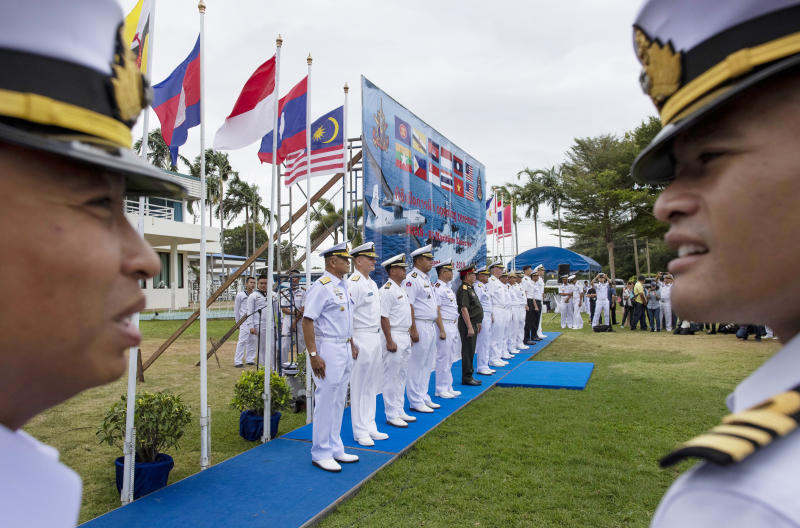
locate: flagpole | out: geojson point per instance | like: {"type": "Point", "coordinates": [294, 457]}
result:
{"type": "Point", "coordinates": [202, 297]}
{"type": "Point", "coordinates": [505, 236]}
{"type": "Point", "coordinates": [513, 235]}
{"type": "Point", "coordinates": [273, 195]}
{"type": "Point", "coordinates": [494, 223]}
{"type": "Point", "coordinates": [345, 174]}
{"type": "Point", "coordinates": [309, 395]}
{"type": "Point", "coordinates": [129, 447]}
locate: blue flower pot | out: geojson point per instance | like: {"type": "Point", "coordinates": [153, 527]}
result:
{"type": "Point", "coordinates": [251, 425]}
{"type": "Point", "coordinates": [147, 476]}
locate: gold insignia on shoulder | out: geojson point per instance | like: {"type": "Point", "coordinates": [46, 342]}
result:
{"type": "Point", "coordinates": [387, 286]}
{"type": "Point", "coordinates": [355, 277]}
{"type": "Point", "coordinates": [130, 89]}
{"type": "Point", "coordinates": [661, 67]}
{"type": "Point", "coordinates": [437, 284]}
{"type": "Point", "coordinates": [325, 280]}
{"type": "Point", "coordinates": [414, 274]}
{"type": "Point", "coordinates": [465, 287]}
{"type": "Point", "coordinates": [742, 433]}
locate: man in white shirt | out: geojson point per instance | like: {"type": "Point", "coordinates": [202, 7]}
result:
{"type": "Point", "coordinates": [66, 113]}
{"type": "Point", "coordinates": [396, 340]}
{"type": "Point", "coordinates": [666, 301]}
{"type": "Point", "coordinates": [539, 296]}
{"type": "Point", "coordinates": [448, 350]}
{"type": "Point", "coordinates": [529, 287]}
{"type": "Point", "coordinates": [483, 348]}
{"type": "Point", "coordinates": [291, 301]}
{"type": "Point", "coordinates": [247, 341]}
{"type": "Point", "coordinates": [566, 294]}
{"type": "Point", "coordinates": [257, 306]}
{"type": "Point", "coordinates": [728, 157]}
{"type": "Point", "coordinates": [602, 305]}
{"type": "Point", "coordinates": [499, 296]}
{"type": "Point", "coordinates": [367, 374]}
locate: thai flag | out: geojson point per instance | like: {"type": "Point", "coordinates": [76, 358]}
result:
{"type": "Point", "coordinates": [327, 149]}
{"type": "Point", "coordinates": [253, 114]}
{"type": "Point", "coordinates": [503, 221]}
{"type": "Point", "coordinates": [291, 125]}
{"type": "Point", "coordinates": [176, 101]}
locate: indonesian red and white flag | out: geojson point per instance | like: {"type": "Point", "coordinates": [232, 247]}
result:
{"type": "Point", "coordinates": [253, 115]}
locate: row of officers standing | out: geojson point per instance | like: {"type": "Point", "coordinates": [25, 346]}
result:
{"type": "Point", "coordinates": [389, 339]}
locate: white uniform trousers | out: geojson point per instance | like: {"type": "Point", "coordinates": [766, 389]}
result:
{"type": "Point", "coordinates": [666, 313]}
{"type": "Point", "coordinates": [245, 345]}
{"type": "Point", "coordinates": [423, 354]}
{"type": "Point", "coordinates": [566, 314]}
{"type": "Point", "coordinates": [483, 345]}
{"type": "Point", "coordinates": [539, 332]}
{"type": "Point", "coordinates": [365, 382]}
{"type": "Point", "coordinates": [604, 307]}
{"type": "Point", "coordinates": [511, 329]}
{"type": "Point", "coordinates": [329, 398]}
{"type": "Point", "coordinates": [519, 323]}
{"type": "Point", "coordinates": [260, 338]}
{"type": "Point", "coordinates": [286, 341]}
{"type": "Point", "coordinates": [577, 318]}
{"type": "Point", "coordinates": [498, 333]}
{"type": "Point", "coordinates": [395, 372]}
{"type": "Point", "coordinates": [446, 350]}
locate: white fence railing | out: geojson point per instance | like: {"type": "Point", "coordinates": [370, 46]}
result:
{"type": "Point", "coordinates": [156, 211]}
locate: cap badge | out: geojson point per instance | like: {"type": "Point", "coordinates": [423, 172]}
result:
{"type": "Point", "coordinates": [661, 68]}
{"type": "Point", "coordinates": [130, 92]}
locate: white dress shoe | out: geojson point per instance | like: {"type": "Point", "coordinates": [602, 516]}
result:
{"type": "Point", "coordinates": [522, 346]}
{"type": "Point", "coordinates": [346, 458]}
{"type": "Point", "coordinates": [504, 362]}
{"type": "Point", "coordinates": [377, 435]}
{"type": "Point", "coordinates": [496, 363]}
{"type": "Point", "coordinates": [455, 393]}
{"type": "Point", "coordinates": [487, 372]}
{"type": "Point", "coordinates": [432, 405]}
{"type": "Point", "coordinates": [445, 395]}
{"type": "Point", "coordinates": [365, 441]}
{"type": "Point", "coordinates": [423, 409]}
{"type": "Point", "coordinates": [506, 356]}
{"type": "Point", "coordinates": [327, 464]}
{"type": "Point", "coordinates": [408, 418]}
{"type": "Point", "coordinates": [397, 422]}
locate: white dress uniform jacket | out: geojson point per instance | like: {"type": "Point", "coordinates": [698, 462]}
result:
{"type": "Point", "coordinates": [328, 304]}
{"type": "Point", "coordinates": [762, 489]}
{"type": "Point", "coordinates": [502, 317]}
{"type": "Point", "coordinates": [420, 293]}
{"type": "Point", "coordinates": [293, 300]}
{"type": "Point", "coordinates": [247, 341]}
{"type": "Point", "coordinates": [367, 374]}
{"type": "Point", "coordinates": [565, 304]}
{"type": "Point", "coordinates": [483, 345]}
{"type": "Point", "coordinates": [396, 307]}
{"type": "Point", "coordinates": [448, 350]}
{"type": "Point", "coordinates": [601, 304]}
{"type": "Point", "coordinates": [258, 301]}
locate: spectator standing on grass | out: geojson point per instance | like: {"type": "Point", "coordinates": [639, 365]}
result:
{"type": "Point", "coordinates": [67, 104]}
{"type": "Point", "coordinates": [727, 86]}
{"type": "Point", "coordinates": [591, 294]}
{"type": "Point", "coordinates": [654, 308]}
{"type": "Point", "coordinates": [639, 303]}
{"type": "Point", "coordinates": [666, 303]}
{"type": "Point", "coordinates": [626, 298]}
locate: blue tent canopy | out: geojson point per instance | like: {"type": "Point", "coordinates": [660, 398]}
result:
{"type": "Point", "coordinates": [550, 257]}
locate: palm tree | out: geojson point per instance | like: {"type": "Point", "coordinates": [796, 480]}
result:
{"type": "Point", "coordinates": [551, 180]}
{"type": "Point", "coordinates": [326, 215]}
{"type": "Point", "coordinates": [532, 195]}
{"type": "Point", "coordinates": [158, 151]}
{"type": "Point", "coordinates": [244, 197]}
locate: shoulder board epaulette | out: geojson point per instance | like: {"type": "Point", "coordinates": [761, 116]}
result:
{"type": "Point", "coordinates": [465, 287]}
{"type": "Point", "coordinates": [325, 280]}
{"type": "Point", "coordinates": [414, 274]}
{"type": "Point", "coordinates": [437, 284]}
{"type": "Point", "coordinates": [388, 285]}
{"type": "Point", "coordinates": [743, 433]}
{"type": "Point", "coordinates": [355, 277]}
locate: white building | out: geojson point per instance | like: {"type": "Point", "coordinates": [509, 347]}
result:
{"type": "Point", "coordinates": [170, 229]}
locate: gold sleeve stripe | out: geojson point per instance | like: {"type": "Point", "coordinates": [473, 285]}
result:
{"type": "Point", "coordinates": [737, 448]}
{"type": "Point", "coordinates": [757, 436]}
{"type": "Point", "coordinates": [787, 403]}
{"type": "Point", "coordinates": [766, 419]}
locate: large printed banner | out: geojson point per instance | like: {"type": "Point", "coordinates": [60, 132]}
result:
{"type": "Point", "coordinates": [419, 188]}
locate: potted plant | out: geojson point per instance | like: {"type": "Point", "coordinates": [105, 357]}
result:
{"type": "Point", "coordinates": [160, 419]}
{"type": "Point", "coordinates": [247, 399]}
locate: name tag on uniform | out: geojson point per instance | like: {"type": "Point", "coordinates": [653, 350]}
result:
{"type": "Point", "coordinates": [370, 293]}
{"type": "Point", "coordinates": [399, 296]}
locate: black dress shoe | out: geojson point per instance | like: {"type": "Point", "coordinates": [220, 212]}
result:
{"type": "Point", "coordinates": [471, 381]}
{"type": "Point", "coordinates": [529, 342]}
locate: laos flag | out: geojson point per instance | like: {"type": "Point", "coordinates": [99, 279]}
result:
{"type": "Point", "coordinates": [176, 101]}
{"type": "Point", "coordinates": [291, 125]}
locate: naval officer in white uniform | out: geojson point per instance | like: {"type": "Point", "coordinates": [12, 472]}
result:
{"type": "Point", "coordinates": [602, 305]}
{"type": "Point", "coordinates": [328, 331]}
{"type": "Point", "coordinates": [257, 306]}
{"type": "Point", "coordinates": [367, 374]}
{"type": "Point", "coordinates": [426, 329]}
{"type": "Point", "coordinates": [539, 297]}
{"type": "Point", "coordinates": [247, 341]}
{"type": "Point", "coordinates": [499, 296]}
{"type": "Point", "coordinates": [483, 346]}
{"type": "Point", "coordinates": [396, 340]}
{"type": "Point", "coordinates": [448, 350]}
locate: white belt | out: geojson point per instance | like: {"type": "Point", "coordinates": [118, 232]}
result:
{"type": "Point", "coordinates": [334, 339]}
{"type": "Point", "coordinates": [450, 320]}
{"type": "Point", "coordinates": [368, 330]}
{"type": "Point", "coordinates": [401, 328]}
{"type": "Point", "coordinates": [426, 320]}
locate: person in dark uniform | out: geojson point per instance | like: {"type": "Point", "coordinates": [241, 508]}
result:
{"type": "Point", "coordinates": [470, 315]}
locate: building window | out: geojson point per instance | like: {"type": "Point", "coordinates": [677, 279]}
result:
{"type": "Point", "coordinates": [161, 280]}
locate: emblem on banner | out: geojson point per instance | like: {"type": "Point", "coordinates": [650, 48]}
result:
{"type": "Point", "coordinates": [379, 137]}
{"type": "Point", "coordinates": [479, 192]}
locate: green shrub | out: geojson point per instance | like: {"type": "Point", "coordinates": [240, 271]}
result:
{"type": "Point", "coordinates": [248, 390]}
{"type": "Point", "coordinates": [160, 420]}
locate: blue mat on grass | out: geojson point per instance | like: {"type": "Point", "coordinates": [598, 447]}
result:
{"type": "Point", "coordinates": [273, 484]}
{"type": "Point", "coordinates": [549, 374]}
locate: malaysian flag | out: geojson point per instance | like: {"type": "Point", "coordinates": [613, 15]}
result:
{"type": "Point", "coordinates": [469, 184]}
{"type": "Point", "coordinates": [327, 149]}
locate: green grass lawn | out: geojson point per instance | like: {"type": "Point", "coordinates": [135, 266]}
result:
{"type": "Point", "coordinates": [514, 457]}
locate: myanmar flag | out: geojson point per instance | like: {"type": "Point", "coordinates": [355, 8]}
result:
{"type": "Point", "coordinates": [403, 157]}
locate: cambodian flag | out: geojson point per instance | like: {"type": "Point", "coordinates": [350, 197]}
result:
{"type": "Point", "coordinates": [291, 125]}
{"type": "Point", "coordinates": [176, 101]}
{"type": "Point", "coordinates": [253, 113]}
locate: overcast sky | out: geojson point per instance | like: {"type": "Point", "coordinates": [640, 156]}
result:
{"type": "Point", "coordinates": [511, 82]}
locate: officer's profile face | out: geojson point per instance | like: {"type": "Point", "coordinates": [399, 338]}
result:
{"type": "Point", "coordinates": [365, 264]}
{"type": "Point", "coordinates": [58, 338]}
{"type": "Point", "coordinates": [733, 208]}
{"type": "Point", "coordinates": [446, 275]}
{"type": "Point", "coordinates": [469, 278]}
{"type": "Point", "coordinates": [397, 273]}
{"type": "Point", "coordinates": [262, 285]}
{"type": "Point", "coordinates": [497, 271]}
{"type": "Point", "coordinates": [424, 264]}
{"type": "Point", "coordinates": [250, 284]}
{"type": "Point", "coordinates": [295, 281]}
{"type": "Point", "coordinates": [482, 277]}
{"type": "Point", "coordinates": [337, 265]}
